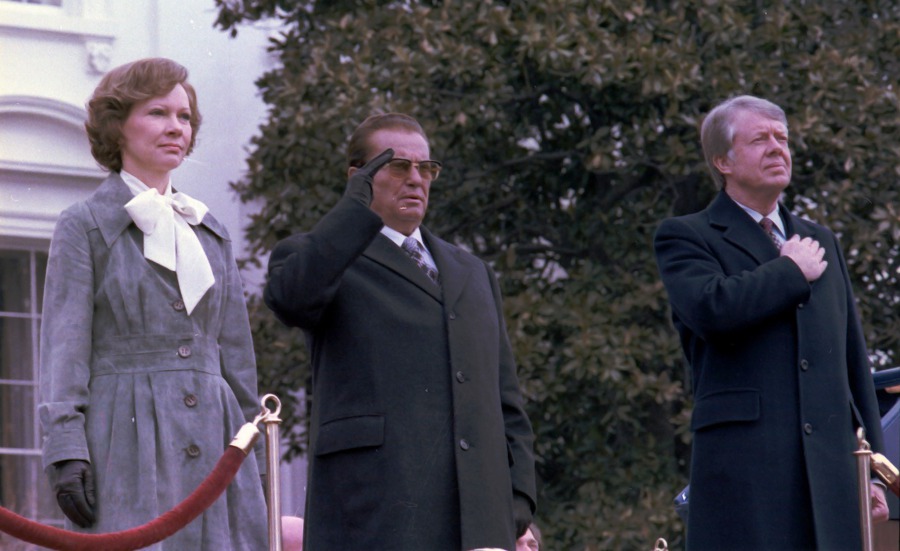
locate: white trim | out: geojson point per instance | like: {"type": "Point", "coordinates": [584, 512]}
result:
{"type": "Point", "coordinates": [21, 451]}
{"type": "Point", "coordinates": [44, 107]}
{"type": "Point", "coordinates": [67, 183]}
{"type": "Point", "coordinates": [23, 167]}
{"type": "Point", "coordinates": [57, 111]}
{"type": "Point", "coordinates": [29, 225]}
{"type": "Point", "coordinates": [66, 20]}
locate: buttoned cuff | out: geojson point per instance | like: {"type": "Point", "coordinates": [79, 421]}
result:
{"type": "Point", "coordinates": [65, 445]}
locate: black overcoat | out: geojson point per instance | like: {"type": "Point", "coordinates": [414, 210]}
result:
{"type": "Point", "coordinates": [417, 418]}
{"type": "Point", "coordinates": [780, 380]}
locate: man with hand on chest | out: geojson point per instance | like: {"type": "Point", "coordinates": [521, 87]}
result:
{"type": "Point", "coordinates": [763, 304]}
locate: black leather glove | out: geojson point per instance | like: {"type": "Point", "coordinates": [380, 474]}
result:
{"type": "Point", "coordinates": [522, 513]}
{"type": "Point", "coordinates": [359, 185]}
{"type": "Point", "coordinates": [74, 486]}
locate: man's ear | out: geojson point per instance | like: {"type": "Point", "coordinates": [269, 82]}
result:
{"type": "Point", "coordinates": [350, 171]}
{"type": "Point", "coordinates": [723, 164]}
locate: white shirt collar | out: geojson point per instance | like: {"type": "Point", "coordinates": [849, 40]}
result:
{"type": "Point", "coordinates": [774, 216]}
{"type": "Point", "coordinates": [398, 237]}
{"type": "Point", "coordinates": [137, 186]}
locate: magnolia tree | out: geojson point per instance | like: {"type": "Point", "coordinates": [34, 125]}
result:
{"type": "Point", "coordinates": [568, 130]}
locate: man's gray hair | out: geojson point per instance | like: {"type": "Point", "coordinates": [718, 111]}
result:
{"type": "Point", "coordinates": [717, 131]}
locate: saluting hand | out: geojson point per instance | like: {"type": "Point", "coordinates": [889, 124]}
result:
{"type": "Point", "coordinates": [807, 254]}
{"type": "Point", "coordinates": [359, 185]}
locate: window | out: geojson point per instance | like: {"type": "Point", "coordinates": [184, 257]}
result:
{"type": "Point", "coordinates": [23, 485]}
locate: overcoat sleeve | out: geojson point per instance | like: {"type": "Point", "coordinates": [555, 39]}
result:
{"type": "Point", "coordinates": [859, 373]}
{"type": "Point", "coordinates": [711, 302]}
{"type": "Point", "coordinates": [236, 347]}
{"type": "Point", "coordinates": [519, 434]}
{"type": "Point", "coordinates": [305, 270]}
{"type": "Point", "coordinates": [66, 328]}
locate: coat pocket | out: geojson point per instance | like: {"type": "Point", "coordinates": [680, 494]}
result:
{"type": "Point", "coordinates": [726, 406]}
{"type": "Point", "coordinates": [364, 431]}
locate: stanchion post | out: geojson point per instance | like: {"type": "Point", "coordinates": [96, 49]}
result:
{"type": "Point", "coordinates": [863, 459]}
{"type": "Point", "coordinates": [273, 470]}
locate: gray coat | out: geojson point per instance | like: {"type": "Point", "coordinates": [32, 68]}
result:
{"type": "Point", "coordinates": [149, 395]}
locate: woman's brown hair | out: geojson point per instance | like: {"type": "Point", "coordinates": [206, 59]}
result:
{"type": "Point", "coordinates": [122, 88]}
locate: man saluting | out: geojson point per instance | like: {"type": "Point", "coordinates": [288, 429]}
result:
{"type": "Point", "coordinates": [418, 439]}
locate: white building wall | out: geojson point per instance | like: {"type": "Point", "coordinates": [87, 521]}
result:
{"type": "Point", "coordinates": [61, 54]}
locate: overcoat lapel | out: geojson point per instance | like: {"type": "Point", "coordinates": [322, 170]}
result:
{"type": "Point", "coordinates": [388, 254]}
{"type": "Point", "coordinates": [794, 225]}
{"type": "Point", "coordinates": [453, 266]}
{"type": "Point", "coordinates": [108, 209]}
{"type": "Point", "coordinates": [741, 231]}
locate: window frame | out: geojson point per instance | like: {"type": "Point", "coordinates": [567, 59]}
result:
{"type": "Point", "coordinates": [30, 504]}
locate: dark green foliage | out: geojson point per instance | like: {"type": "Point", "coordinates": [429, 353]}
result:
{"type": "Point", "coordinates": [609, 95]}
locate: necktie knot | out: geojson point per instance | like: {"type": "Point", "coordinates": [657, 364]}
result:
{"type": "Point", "coordinates": [414, 249]}
{"type": "Point", "coordinates": [769, 227]}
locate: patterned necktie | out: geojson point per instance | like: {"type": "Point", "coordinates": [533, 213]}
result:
{"type": "Point", "coordinates": [769, 227]}
{"type": "Point", "coordinates": [414, 249]}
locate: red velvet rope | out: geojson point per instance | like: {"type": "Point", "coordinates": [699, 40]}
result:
{"type": "Point", "coordinates": [135, 538]}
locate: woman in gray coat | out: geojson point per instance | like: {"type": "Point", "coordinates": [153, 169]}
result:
{"type": "Point", "coordinates": [147, 364]}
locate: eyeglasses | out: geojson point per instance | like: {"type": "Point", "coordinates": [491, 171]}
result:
{"type": "Point", "coordinates": [428, 170]}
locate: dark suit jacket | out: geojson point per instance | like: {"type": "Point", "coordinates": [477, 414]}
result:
{"type": "Point", "coordinates": [780, 380]}
{"type": "Point", "coordinates": [418, 436]}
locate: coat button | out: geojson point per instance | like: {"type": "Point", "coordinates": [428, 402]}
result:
{"type": "Point", "coordinates": [190, 400]}
{"type": "Point", "coordinates": [184, 351]}
{"type": "Point", "coordinates": [193, 451]}
{"type": "Point", "coordinates": [452, 315]}
{"type": "Point", "coordinates": [464, 444]}
{"type": "Point", "coordinates": [178, 305]}
{"type": "Point", "coordinates": [807, 428]}
{"type": "Point", "coordinates": [460, 377]}
{"type": "Point", "coordinates": [804, 365]}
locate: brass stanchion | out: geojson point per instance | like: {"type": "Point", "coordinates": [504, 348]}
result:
{"type": "Point", "coordinates": [887, 472]}
{"type": "Point", "coordinates": [273, 469]}
{"type": "Point", "coordinates": [863, 464]}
